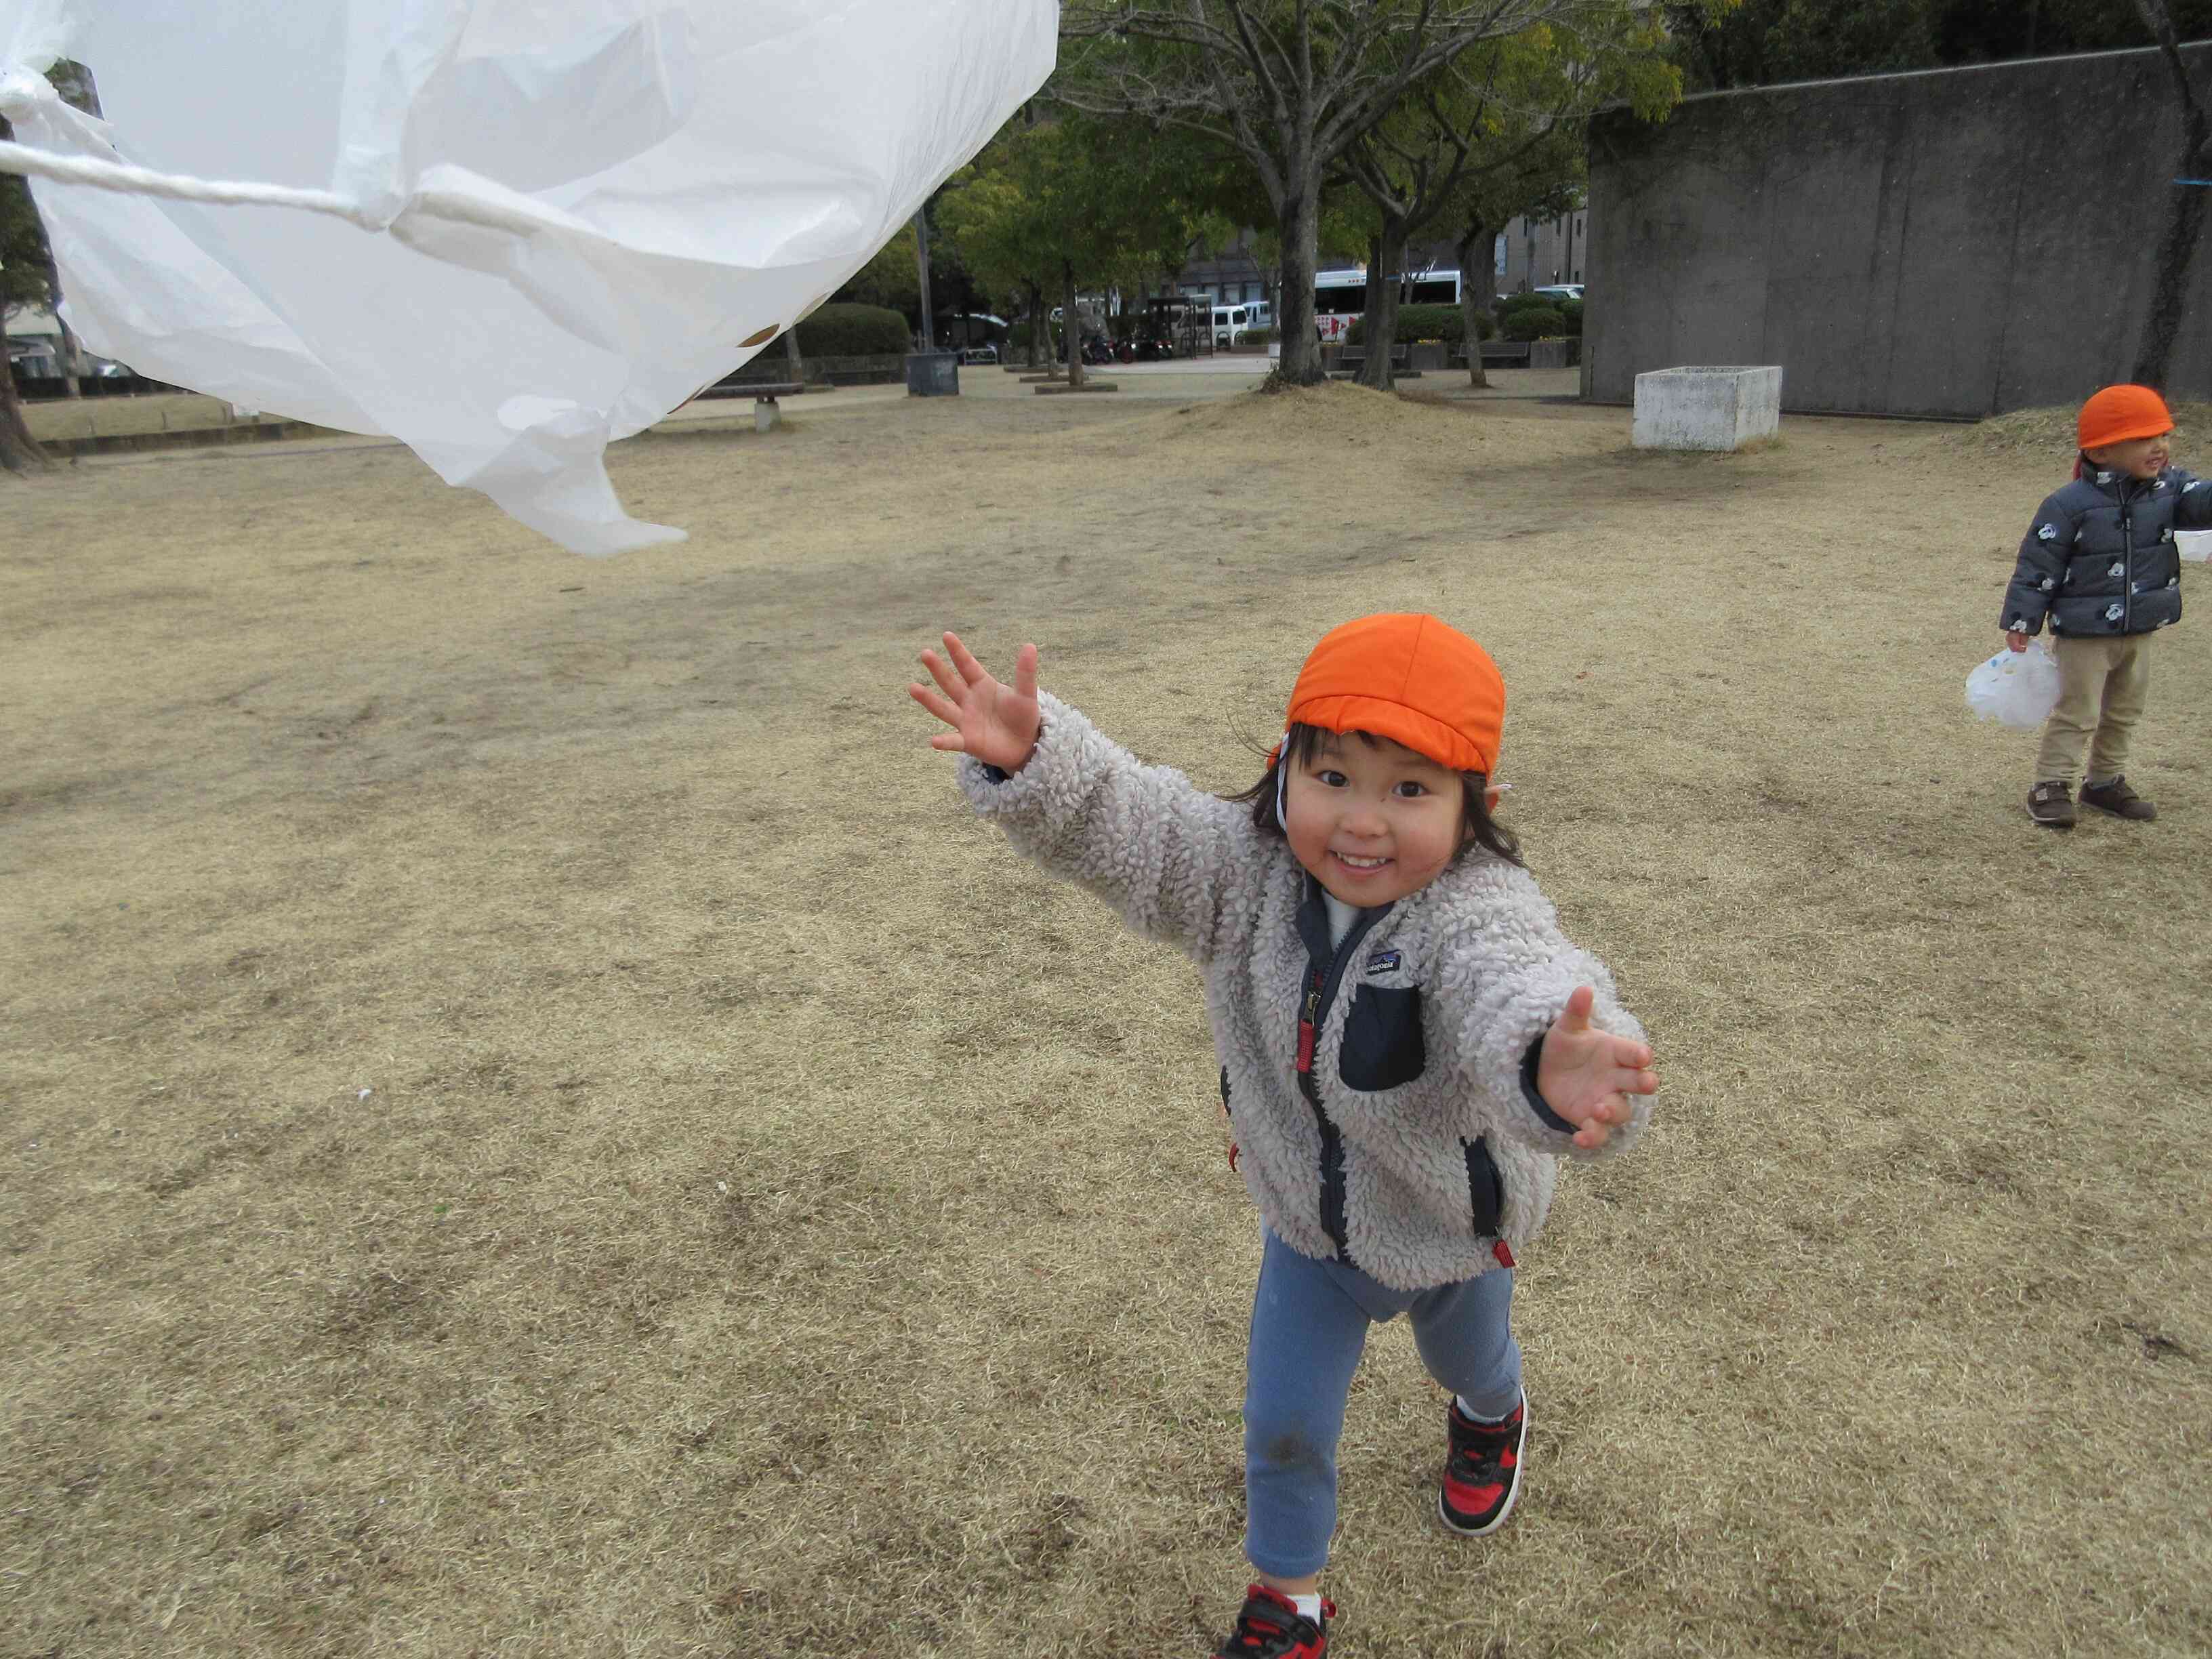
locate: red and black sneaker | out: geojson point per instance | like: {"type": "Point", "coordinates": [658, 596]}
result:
{"type": "Point", "coordinates": [1482, 1472]}
{"type": "Point", "coordinates": [1271, 1627]}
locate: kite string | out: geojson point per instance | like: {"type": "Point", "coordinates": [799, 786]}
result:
{"type": "Point", "coordinates": [144, 181]}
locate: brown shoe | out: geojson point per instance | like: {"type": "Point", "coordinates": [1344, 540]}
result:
{"type": "Point", "coordinates": [2118, 800]}
{"type": "Point", "coordinates": [2050, 806]}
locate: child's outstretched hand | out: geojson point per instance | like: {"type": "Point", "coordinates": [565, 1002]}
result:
{"type": "Point", "coordinates": [1586, 1076]}
{"type": "Point", "coordinates": [996, 724]}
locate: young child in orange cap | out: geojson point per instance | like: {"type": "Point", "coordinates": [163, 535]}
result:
{"type": "Point", "coordinates": [2100, 565]}
{"type": "Point", "coordinates": [1409, 1045]}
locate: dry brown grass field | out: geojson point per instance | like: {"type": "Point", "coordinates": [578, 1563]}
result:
{"type": "Point", "coordinates": [537, 1125]}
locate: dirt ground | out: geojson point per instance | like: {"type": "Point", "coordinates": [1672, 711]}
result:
{"type": "Point", "coordinates": [536, 1124]}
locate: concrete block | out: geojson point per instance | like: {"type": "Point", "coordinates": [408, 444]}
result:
{"type": "Point", "coordinates": [1554, 354]}
{"type": "Point", "coordinates": [765, 415]}
{"type": "Point", "coordinates": [1715, 408]}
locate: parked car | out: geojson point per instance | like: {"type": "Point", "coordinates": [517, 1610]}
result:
{"type": "Point", "coordinates": [1563, 290]}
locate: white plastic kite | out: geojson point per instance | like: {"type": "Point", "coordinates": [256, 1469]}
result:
{"type": "Point", "coordinates": [506, 232]}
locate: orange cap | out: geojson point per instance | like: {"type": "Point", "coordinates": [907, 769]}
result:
{"type": "Point", "coordinates": [1411, 678]}
{"type": "Point", "coordinates": [2119, 413]}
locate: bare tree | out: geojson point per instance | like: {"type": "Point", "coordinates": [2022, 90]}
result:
{"type": "Point", "coordinates": [1540, 183]}
{"type": "Point", "coordinates": [72, 80]}
{"type": "Point", "coordinates": [1288, 84]}
{"type": "Point", "coordinates": [1503, 123]}
{"type": "Point", "coordinates": [2185, 218]}
{"type": "Point", "coordinates": [1407, 178]}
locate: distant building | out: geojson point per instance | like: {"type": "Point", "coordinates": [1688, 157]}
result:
{"type": "Point", "coordinates": [1231, 276]}
{"type": "Point", "coordinates": [1537, 252]}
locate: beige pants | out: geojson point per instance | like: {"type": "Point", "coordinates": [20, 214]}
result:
{"type": "Point", "coordinates": [2102, 683]}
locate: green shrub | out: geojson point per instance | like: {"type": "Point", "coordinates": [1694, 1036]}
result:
{"type": "Point", "coordinates": [1259, 336]}
{"type": "Point", "coordinates": [1527, 301]}
{"type": "Point", "coordinates": [1533, 323]}
{"type": "Point", "coordinates": [1445, 323]}
{"type": "Point", "coordinates": [1571, 310]}
{"type": "Point", "coordinates": [848, 331]}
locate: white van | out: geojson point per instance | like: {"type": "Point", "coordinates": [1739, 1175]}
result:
{"type": "Point", "coordinates": [1231, 323]}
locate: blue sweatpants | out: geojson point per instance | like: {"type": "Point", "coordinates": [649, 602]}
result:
{"type": "Point", "coordinates": [1309, 1320]}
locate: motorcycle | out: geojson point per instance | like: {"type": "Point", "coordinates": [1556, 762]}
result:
{"type": "Point", "coordinates": [1098, 349]}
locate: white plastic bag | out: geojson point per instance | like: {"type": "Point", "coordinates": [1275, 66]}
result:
{"type": "Point", "coordinates": [2018, 688]}
{"type": "Point", "coordinates": [583, 210]}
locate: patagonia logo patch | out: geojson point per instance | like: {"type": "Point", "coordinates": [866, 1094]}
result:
{"type": "Point", "coordinates": [1384, 962]}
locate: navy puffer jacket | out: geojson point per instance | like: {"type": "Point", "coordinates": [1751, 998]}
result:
{"type": "Point", "coordinates": [2099, 558]}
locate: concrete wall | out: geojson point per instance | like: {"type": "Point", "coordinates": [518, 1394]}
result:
{"type": "Point", "coordinates": [1958, 242]}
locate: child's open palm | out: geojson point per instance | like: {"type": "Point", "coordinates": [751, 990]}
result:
{"type": "Point", "coordinates": [1587, 1076]}
{"type": "Point", "coordinates": [996, 724]}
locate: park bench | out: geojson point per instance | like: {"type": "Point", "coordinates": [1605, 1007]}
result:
{"type": "Point", "coordinates": [1349, 360]}
{"type": "Point", "coordinates": [765, 411]}
{"type": "Point", "coordinates": [763, 393]}
{"type": "Point", "coordinates": [1496, 354]}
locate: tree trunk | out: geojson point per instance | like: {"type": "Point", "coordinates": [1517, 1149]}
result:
{"type": "Point", "coordinates": [1378, 326]}
{"type": "Point", "coordinates": [72, 80]}
{"type": "Point", "coordinates": [19, 449]}
{"type": "Point", "coordinates": [72, 353]}
{"type": "Point", "coordinates": [2189, 205]}
{"type": "Point", "coordinates": [791, 353]}
{"type": "Point", "coordinates": [1474, 297]}
{"type": "Point", "coordinates": [1072, 327]}
{"type": "Point", "coordinates": [2186, 207]}
{"type": "Point", "coordinates": [1037, 327]}
{"type": "Point", "coordinates": [1299, 219]}
{"type": "Point", "coordinates": [2177, 258]}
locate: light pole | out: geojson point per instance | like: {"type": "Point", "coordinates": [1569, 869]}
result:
{"type": "Point", "coordinates": [921, 262]}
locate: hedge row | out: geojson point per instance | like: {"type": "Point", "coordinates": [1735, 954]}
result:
{"type": "Point", "coordinates": [41, 388]}
{"type": "Point", "coordinates": [850, 331]}
{"type": "Point", "coordinates": [1535, 323]}
{"type": "Point", "coordinates": [1568, 313]}
{"type": "Point", "coordinates": [1445, 323]}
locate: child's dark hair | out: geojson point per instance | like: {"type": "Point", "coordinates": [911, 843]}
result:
{"type": "Point", "coordinates": [1477, 827]}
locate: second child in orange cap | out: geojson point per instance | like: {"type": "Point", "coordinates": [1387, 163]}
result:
{"type": "Point", "coordinates": [2100, 565]}
{"type": "Point", "coordinates": [1409, 1045]}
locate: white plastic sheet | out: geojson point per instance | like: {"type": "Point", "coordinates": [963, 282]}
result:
{"type": "Point", "coordinates": [589, 209]}
{"type": "Point", "coordinates": [2015, 688]}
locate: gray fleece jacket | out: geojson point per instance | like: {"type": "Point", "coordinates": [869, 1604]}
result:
{"type": "Point", "coordinates": [1382, 1091]}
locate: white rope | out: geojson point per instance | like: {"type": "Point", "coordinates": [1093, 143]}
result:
{"type": "Point", "coordinates": [144, 181]}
